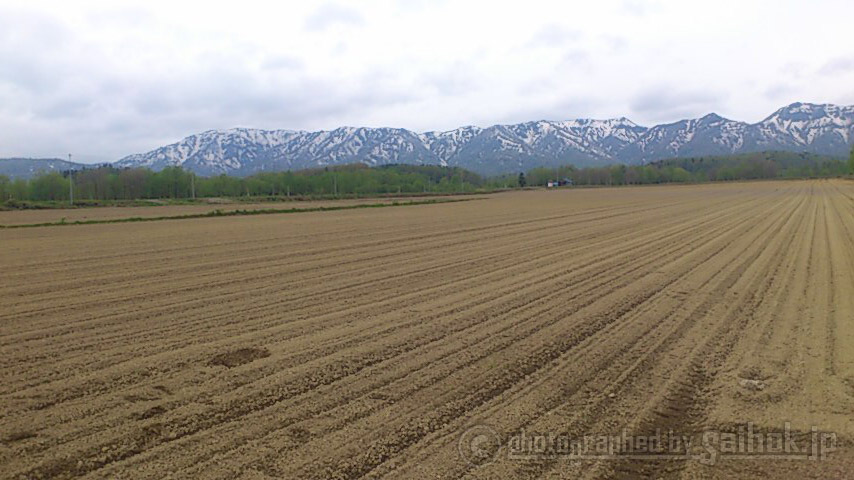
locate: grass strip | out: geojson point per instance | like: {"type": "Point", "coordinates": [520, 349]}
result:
{"type": "Point", "coordinates": [235, 213]}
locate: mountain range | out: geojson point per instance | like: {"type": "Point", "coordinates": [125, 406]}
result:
{"type": "Point", "coordinates": [801, 127]}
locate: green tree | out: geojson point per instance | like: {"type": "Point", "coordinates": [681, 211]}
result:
{"type": "Point", "coordinates": [19, 189]}
{"type": "Point", "coordinates": [97, 183]}
{"type": "Point", "coordinates": [4, 188]}
{"type": "Point", "coordinates": [522, 179]}
{"type": "Point", "coordinates": [132, 182]}
{"type": "Point", "coordinates": [851, 162]}
{"type": "Point", "coordinates": [49, 186]}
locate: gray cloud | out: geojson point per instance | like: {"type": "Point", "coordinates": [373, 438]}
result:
{"type": "Point", "coordinates": [121, 17]}
{"type": "Point", "coordinates": [554, 35]}
{"type": "Point", "coordinates": [123, 113]}
{"type": "Point", "coordinates": [561, 107]}
{"type": "Point", "coordinates": [576, 58]}
{"type": "Point", "coordinates": [616, 43]}
{"type": "Point", "coordinates": [455, 79]}
{"type": "Point", "coordinates": [419, 5]}
{"type": "Point", "coordinates": [638, 7]}
{"type": "Point", "coordinates": [330, 14]}
{"type": "Point", "coordinates": [669, 103]}
{"type": "Point", "coordinates": [32, 64]}
{"type": "Point", "coordinates": [282, 62]}
{"type": "Point", "coordinates": [837, 66]}
{"type": "Point", "coordinates": [103, 82]}
{"type": "Point", "coordinates": [780, 91]}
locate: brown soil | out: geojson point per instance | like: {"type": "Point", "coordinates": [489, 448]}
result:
{"type": "Point", "coordinates": [23, 217]}
{"type": "Point", "coordinates": [365, 343]}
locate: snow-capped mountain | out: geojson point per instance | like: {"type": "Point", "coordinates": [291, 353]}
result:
{"type": "Point", "coordinates": [823, 129]}
{"type": "Point", "coordinates": [709, 135]}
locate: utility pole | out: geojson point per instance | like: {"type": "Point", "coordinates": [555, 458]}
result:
{"type": "Point", "coordinates": [193, 185]}
{"type": "Point", "coordinates": [335, 183]}
{"type": "Point", "coordinates": [70, 181]}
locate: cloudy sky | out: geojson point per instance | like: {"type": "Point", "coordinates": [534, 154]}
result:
{"type": "Point", "coordinates": [105, 79]}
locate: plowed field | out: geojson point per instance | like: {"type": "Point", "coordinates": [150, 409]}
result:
{"type": "Point", "coordinates": [367, 343]}
{"type": "Point", "coordinates": [70, 215]}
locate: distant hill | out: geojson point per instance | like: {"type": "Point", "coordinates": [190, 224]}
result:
{"type": "Point", "coordinates": [29, 167]}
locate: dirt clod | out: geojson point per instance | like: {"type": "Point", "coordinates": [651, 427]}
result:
{"type": "Point", "coordinates": [239, 357]}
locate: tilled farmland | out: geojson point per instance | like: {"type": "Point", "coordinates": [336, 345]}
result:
{"type": "Point", "coordinates": [15, 218]}
{"type": "Point", "coordinates": [371, 343]}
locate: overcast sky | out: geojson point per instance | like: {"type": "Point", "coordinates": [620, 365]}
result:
{"type": "Point", "coordinates": [105, 79]}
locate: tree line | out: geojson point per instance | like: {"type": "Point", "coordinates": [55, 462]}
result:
{"type": "Point", "coordinates": [753, 166]}
{"type": "Point", "coordinates": [109, 183]}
